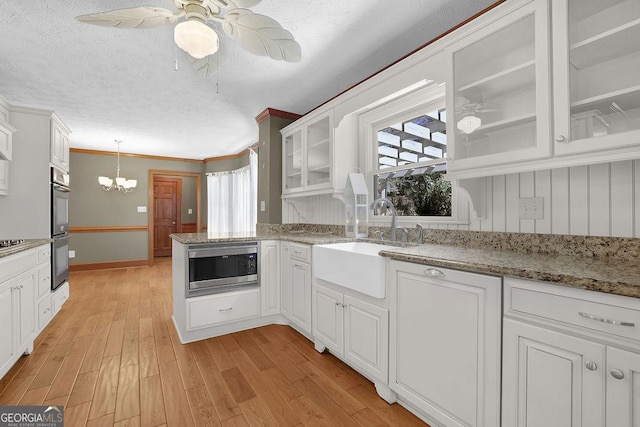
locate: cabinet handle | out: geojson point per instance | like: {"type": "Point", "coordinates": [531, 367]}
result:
{"type": "Point", "coordinates": [591, 365]}
{"type": "Point", "coordinates": [45, 253]}
{"type": "Point", "coordinates": [433, 272]}
{"type": "Point", "coordinates": [617, 374]}
{"type": "Point", "coordinates": [603, 320]}
{"type": "Point", "coordinates": [560, 138]}
{"type": "Point", "coordinates": [44, 279]}
{"type": "Point", "coordinates": [225, 309]}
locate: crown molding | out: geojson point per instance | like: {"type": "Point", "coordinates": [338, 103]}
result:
{"type": "Point", "coordinates": [143, 156]}
{"type": "Point", "coordinates": [272, 112]}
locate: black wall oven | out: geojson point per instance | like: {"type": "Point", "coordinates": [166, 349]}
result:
{"type": "Point", "coordinates": [215, 268]}
{"type": "Point", "coordinates": [59, 227]}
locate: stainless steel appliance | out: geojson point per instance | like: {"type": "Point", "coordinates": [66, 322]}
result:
{"type": "Point", "coordinates": [59, 226]}
{"type": "Point", "coordinates": [215, 268]}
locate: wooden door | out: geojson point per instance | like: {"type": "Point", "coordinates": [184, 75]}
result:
{"type": "Point", "coordinates": [167, 195]}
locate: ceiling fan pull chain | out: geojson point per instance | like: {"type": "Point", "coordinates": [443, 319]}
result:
{"type": "Point", "coordinates": [175, 56]}
{"type": "Point", "coordinates": [217, 73]}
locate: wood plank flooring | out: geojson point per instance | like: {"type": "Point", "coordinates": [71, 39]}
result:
{"type": "Point", "coordinates": [112, 357]}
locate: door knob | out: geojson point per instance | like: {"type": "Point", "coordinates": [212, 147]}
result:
{"type": "Point", "coordinates": [617, 374]}
{"type": "Point", "coordinates": [173, 222]}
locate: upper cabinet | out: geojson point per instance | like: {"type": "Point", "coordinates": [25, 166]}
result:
{"type": "Point", "coordinates": [59, 144]}
{"type": "Point", "coordinates": [307, 156]}
{"type": "Point", "coordinates": [497, 91]}
{"type": "Point", "coordinates": [6, 134]}
{"type": "Point", "coordinates": [596, 74]}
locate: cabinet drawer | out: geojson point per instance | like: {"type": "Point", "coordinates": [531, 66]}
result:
{"type": "Point", "coordinates": [44, 313]}
{"type": "Point", "coordinates": [44, 280]}
{"type": "Point", "coordinates": [59, 297]}
{"type": "Point", "coordinates": [44, 253]}
{"type": "Point", "coordinates": [216, 309]}
{"type": "Point", "coordinates": [15, 264]}
{"type": "Point", "coordinates": [610, 314]}
{"type": "Point", "coordinates": [300, 252]}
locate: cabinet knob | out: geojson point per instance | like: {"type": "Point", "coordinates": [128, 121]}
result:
{"type": "Point", "coordinates": [591, 365]}
{"type": "Point", "coordinates": [617, 374]}
{"type": "Point", "coordinates": [560, 138]}
{"type": "Point", "coordinates": [337, 303]}
{"type": "Point", "coordinates": [344, 306]}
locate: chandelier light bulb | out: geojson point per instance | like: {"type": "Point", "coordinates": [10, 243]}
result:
{"type": "Point", "coordinates": [469, 123]}
{"type": "Point", "coordinates": [121, 184]}
{"type": "Point", "coordinates": [196, 38]}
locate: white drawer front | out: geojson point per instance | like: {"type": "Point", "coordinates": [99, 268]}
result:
{"type": "Point", "coordinates": [12, 265]}
{"type": "Point", "coordinates": [45, 313]}
{"type": "Point", "coordinates": [223, 308]}
{"type": "Point", "coordinates": [44, 253]}
{"type": "Point", "coordinates": [60, 296]}
{"type": "Point", "coordinates": [44, 280]}
{"type": "Point", "coordinates": [610, 314]}
{"type": "Point", "coordinates": [300, 252]}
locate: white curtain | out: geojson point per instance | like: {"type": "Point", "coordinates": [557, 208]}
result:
{"type": "Point", "coordinates": [232, 199]}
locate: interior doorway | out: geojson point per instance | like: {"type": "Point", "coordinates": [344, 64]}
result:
{"type": "Point", "coordinates": [163, 185]}
{"type": "Point", "coordinates": [167, 209]}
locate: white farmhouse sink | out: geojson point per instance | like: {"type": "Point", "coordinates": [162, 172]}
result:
{"type": "Point", "coordinates": [353, 265]}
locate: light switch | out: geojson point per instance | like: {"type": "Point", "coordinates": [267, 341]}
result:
{"type": "Point", "coordinates": [142, 209]}
{"type": "Point", "coordinates": [262, 206]}
{"type": "Point", "coordinates": [72, 254]}
{"type": "Point", "coordinates": [189, 211]}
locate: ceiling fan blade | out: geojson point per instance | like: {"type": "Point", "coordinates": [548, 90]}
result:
{"type": "Point", "coordinates": [242, 3]}
{"type": "Point", "coordinates": [261, 35]}
{"type": "Point", "coordinates": [136, 17]}
{"type": "Point", "coordinates": [206, 66]}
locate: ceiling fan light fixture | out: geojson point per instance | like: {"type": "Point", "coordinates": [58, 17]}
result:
{"type": "Point", "coordinates": [469, 123]}
{"type": "Point", "coordinates": [196, 38]}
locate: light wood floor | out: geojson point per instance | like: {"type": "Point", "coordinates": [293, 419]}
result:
{"type": "Point", "coordinates": [112, 357]}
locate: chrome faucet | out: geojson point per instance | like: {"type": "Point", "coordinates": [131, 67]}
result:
{"type": "Point", "coordinates": [420, 238]}
{"type": "Point", "coordinates": [388, 204]}
{"type": "Point", "coordinates": [404, 235]}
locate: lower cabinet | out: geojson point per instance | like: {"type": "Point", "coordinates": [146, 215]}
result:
{"type": "Point", "coordinates": [296, 285]}
{"type": "Point", "coordinates": [17, 314]}
{"type": "Point", "coordinates": [445, 342]}
{"type": "Point", "coordinates": [570, 357]}
{"type": "Point", "coordinates": [270, 277]}
{"type": "Point", "coordinates": [352, 329]}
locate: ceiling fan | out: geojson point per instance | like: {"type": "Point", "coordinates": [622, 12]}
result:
{"type": "Point", "coordinates": [468, 111]}
{"type": "Point", "coordinates": [258, 34]}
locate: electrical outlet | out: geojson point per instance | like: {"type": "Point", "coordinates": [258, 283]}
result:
{"type": "Point", "coordinates": [72, 254]}
{"type": "Point", "coordinates": [531, 208]}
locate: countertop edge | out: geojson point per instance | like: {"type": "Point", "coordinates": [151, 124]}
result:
{"type": "Point", "coordinates": [28, 244]}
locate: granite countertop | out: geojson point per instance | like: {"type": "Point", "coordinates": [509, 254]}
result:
{"type": "Point", "coordinates": [604, 274]}
{"type": "Point", "coordinates": [28, 244]}
{"type": "Point", "coordinates": [607, 275]}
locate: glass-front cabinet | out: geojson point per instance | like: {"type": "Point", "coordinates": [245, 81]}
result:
{"type": "Point", "coordinates": [307, 156]}
{"type": "Point", "coordinates": [498, 98]}
{"type": "Point", "coordinates": [596, 45]}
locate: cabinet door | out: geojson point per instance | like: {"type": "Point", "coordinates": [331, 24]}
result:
{"type": "Point", "coordinates": [270, 277]}
{"type": "Point", "coordinates": [301, 295]}
{"type": "Point", "coordinates": [7, 331]}
{"type": "Point", "coordinates": [285, 273]}
{"type": "Point", "coordinates": [328, 318]}
{"type": "Point", "coordinates": [366, 333]}
{"type": "Point", "coordinates": [499, 106]}
{"type": "Point", "coordinates": [292, 179]}
{"type": "Point", "coordinates": [551, 379]}
{"type": "Point", "coordinates": [59, 145]}
{"type": "Point", "coordinates": [25, 308]}
{"type": "Point", "coordinates": [596, 79]}
{"type": "Point", "coordinates": [318, 152]}
{"type": "Point", "coordinates": [445, 343]}
{"type": "Point", "coordinates": [623, 388]}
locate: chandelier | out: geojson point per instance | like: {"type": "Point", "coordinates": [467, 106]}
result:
{"type": "Point", "coordinates": [121, 184]}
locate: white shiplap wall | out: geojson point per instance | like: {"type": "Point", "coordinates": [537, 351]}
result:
{"type": "Point", "coordinates": [597, 200]}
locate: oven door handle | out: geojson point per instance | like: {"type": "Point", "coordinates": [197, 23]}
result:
{"type": "Point", "coordinates": [61, 188]}
{"type": "Point", "coordinates": [60, 237]}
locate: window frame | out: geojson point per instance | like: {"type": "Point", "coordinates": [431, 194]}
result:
{"type": "Point", "coordinates": [411, 105]}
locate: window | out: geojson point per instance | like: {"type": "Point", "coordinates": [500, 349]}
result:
{"type": "Point", "coordinates": [406, 142]}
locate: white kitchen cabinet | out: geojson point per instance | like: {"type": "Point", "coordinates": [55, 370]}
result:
{"type": "Point", "coordinates": [498, 91]}
{"type": "Point", "coordinates": [307, 155]}
{"type": "Point", "coordinates": [296, 285]}
{"type": "Point", "coordinates": [59, 144]}
{"type": "Point", "coordinates": [596, 58]}
{"type": "Point", "coordinates": [44, 312]}
{"type": "Point", "coordinates": [270, 277]}
{"type": "Point", "coordinates": [353, 330]}
{"type": "Point", "coordinates": [7, 332]}
{"type": "Point", "coordinates": [212, 310]}
{"type": "Point", "coordinates": [570, 357]}
{"type": "Point", "coordinates": [4, 177]}
{"type": "Point", "coordinates": [6, 138]}
{"type": "Point", "coordinates": [445, 342]}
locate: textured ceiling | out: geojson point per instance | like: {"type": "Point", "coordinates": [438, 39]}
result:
{"type": "Point", "coordinates": [110, 83]}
